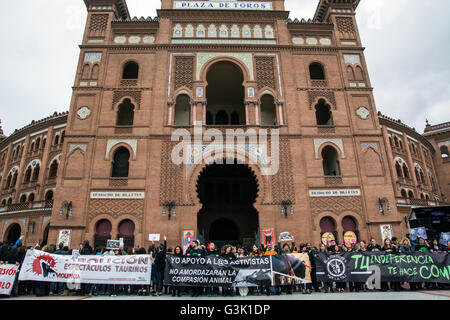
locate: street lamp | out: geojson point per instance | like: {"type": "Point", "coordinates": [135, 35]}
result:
{"type": "Point", "coordinates": [170, 206]}
{"type": "Point", "coordinates": [67, 208]}
{"type": "Point", "coordinates": [285, 204]}
{"type": "Point", "coordinates": [381, 202]}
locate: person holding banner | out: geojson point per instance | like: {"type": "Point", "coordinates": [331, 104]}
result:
{"type": "Point", "coordinates": [212, 252]}
{"type": "Point", "coordinates": [176, 290]}
{"type": "Point", "coordinates": [160, 264]}
{"type": "Point", "coordinates": [229, 255]}
{"type": "Point", "coordinates": [270, 252]}
{"type": "Point", "coordinates": [256, 252]}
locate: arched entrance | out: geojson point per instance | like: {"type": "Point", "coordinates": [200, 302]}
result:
{"type": "Point", "coordinates": [45, 236]}
{"type": "Point", "coordinates": [13, 233]}
{"type": "Point", "coordinates": [102, 233]}
{"type": "Point", "coordinates": [227, 193]}
{"type": "Point", "coordinates": [126, 231]}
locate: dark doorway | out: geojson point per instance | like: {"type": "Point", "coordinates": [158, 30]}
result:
{"type": "Point", "coordinates": [227, 193]}
{"type": "Point", "coordinates": [13, 233]}
{"type": "Point", "coordinates": [45, 236]}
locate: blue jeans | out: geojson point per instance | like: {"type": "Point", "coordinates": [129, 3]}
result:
{"type": "Point", "coordinates": [159, 281]}
{"type": "Point", "coordinates": [59, 287]}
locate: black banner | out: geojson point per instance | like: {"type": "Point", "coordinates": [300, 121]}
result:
{"type": "Point", "coordinates": [216, 271]}
{"type": "Point", "coordinates": [364, 266]}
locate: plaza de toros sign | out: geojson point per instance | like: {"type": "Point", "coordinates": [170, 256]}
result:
{"type": "Point", "coordinates": [223, 5]}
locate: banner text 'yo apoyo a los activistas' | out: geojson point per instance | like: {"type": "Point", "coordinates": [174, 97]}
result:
{"type": "Point", "coordinates": [43, 266]}
{"type": "Point", "coordinates": [359, 266]}
{"type": "Point", "coordinates": [241, 272]}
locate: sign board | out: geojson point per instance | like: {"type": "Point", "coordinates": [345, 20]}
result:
{"type": "Point", "coordinates": [334, 193]}
{"type": "Point", "coordinates": [7, 276]}
{"type": "Point", "coordinates": [268, 236]}
{"type": "Point", "coordinates": [223, 5]}
{"type": "Point", "coordinates": [445, 237]}
{"type": "Point", "coordinates": [113, 244]}
{"type": "Point", "coordinates": [153, 237]}
{"type": "Point", "coordinates": [187, 238]}
{"type": "Point", "coordinates": [414, 233]}
{"type": "Point", "coordinates": [286, 236]}
{"type": "Point", "coordinates": [64, 237]}
{"type": "Point", "coordinates": [386, 232]}
{"type": "Point", "coordinates": [117, 195]}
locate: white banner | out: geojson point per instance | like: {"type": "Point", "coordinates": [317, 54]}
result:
{"type": "Point", "coordinates": [107, 269]}
{"type": "Point", "coordinates": [7, 275]}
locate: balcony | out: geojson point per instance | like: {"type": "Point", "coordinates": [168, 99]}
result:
{"type": "Point", "coordinates": [326, 129]}
{"type": "Point", "coordinates": [118, 182]}
{"type": "Point", "coordinates": [333, 180]}
{"type": "Point", "coordinates": [128, 82]}
{"type": "Point", "coordinates": [420, 202]}
{"type": "Point", "coordinates": [319, 83]}
{"type": "Point", "coordinates": [16, 207]}
{"type": "Point", "coordinates": [123, 129]}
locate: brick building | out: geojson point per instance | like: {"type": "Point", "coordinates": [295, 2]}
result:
{"type": "Point", "coordinates": [237, 65]}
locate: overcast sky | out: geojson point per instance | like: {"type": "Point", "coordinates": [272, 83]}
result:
{"type": "Point", "coordinates": [407, 52]}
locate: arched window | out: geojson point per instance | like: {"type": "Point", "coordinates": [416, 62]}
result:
{"type": "Point", "coordinates": [32, 147]}
{"type": "Point", "coordinates": [49, 195]}
{"type": "Point", "coordinates": [8, 181]}
{"type": "Point", "coordinates": [31, 197]}
{"type": "Point", "coordinates": [14, 179]}
{"type": "Point", "coordinates": [182, 115]}
{"type": "Point", "coordinates": [222, 118]}
{"type": "Point", "coordinates": [416, 171]}
{"type": "Point", "coordinates": [38, 143]}
{"type": "Point", "coordinates": [327, 227]}
{"type": "Point", "coordinates": [398, 168]}
{"type": "Point", "coordinates": [350, 74]}
{"type": "Point", "coordinates": [94, 73]}
{"type": "Point", "coordinates": [359, 76]}
{"type": "Point", "coordinates": [268, 111]}
{"type": "Point", "coordinates": [9, 201]}
{"type": "Point", "coordinates": [390, 141]}
{"type": "Point", "coordinates": [44, 141]}
{"type": "Point", "coordinates": [324, 116]}
{"type": "Point", "coordinates": [120, 165]}
{"type": "Point", "coordinates": [330, 162]}
{"type": "Point", "coordinates": [36, 173]}
{"type": "Point", "coordinates": [27, 175]}
{"type": "Point", "coordinates": [234, 119]}
{"type": "Point", "coordinates": [63, 135]}
{"type": "Point", "coordinates": [405, 171]}
{"type": "Point", "coordinates": [56, 140]}
{"type": "Point", "coordinates": [410, 194]}
{"type": "Point", "coordinates": [130, 71]}
{"type": "Point", "coordinates": [422, 196]}
{"type": "Point", "coordinates": [396, 141]}
{"type": "Point", "coordinates": [3, 202]}
{"type": "Point", "coordinates": [316, 71]}
{"type": "Point", "coordinates": [23, 198]}
{"type": "Point", "coordinates": [126, 231]}
{"type": "Point", "coordinates": [85, 72]}
{"type": "Point", "coordinates": [102, 233]}
{"type": "Point", "coordinates": [225, 92]}
{"type": "Point", "coordinates": [125, 113]}
{"type": "Point", "coordinates": [209, 118]}
{"type": "Point", "coordinates": [53, 169]}
{"type": "Point", "coordinates": [404, 195]}
{"type": "Point", "coordinates": [444, 152]}
{"type": "Point", "coordinates": [422, 176]}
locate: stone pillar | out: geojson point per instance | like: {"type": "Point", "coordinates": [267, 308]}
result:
{"type": "Point", "coordinates": [280, 113]}
{"type": "Point", "coordinates": [204, 112]}
{"type": "Point", "coordinates": [390, 160]}
{"type": "Point", "coordinates": [193, 112]}
{"type": "Point", "coordinates": [22, 168]}
{"type": "Point", "coordinates": [199, 112]}
{"type": "Point", "coordinates": [170, 113]}
{"type": "Point", "coordinates": [257, 113]}
{"type": "Point", "coordinates": [411, 165]}
{"type": "Point", "coordinates": [247, 119]}
{"type": "Point", "coordinates": [45, 159]}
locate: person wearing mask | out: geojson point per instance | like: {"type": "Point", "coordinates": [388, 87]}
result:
{"type": "Point", "coordinates": [228, 254]}
{"type": "Point", "coordinates": [160, 264]}
{"type": "Point", "coordinates": [212, 252]}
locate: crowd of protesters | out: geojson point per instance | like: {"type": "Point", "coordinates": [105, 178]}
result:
{"type": "Point", "coordinates": [15, 254]}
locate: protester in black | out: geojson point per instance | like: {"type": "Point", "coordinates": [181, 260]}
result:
{"type": "Point", "coordinates": [373, 246]}
{"type": "Point", "coordinates": [160, 264]}
{"type": "Point", "coordinates": [229, 255]}
{"type": "Point", "coordinates": [212, 252]}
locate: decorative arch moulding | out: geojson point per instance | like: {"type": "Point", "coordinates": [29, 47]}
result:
{"type": "Point", "coordinates": [114, 142]}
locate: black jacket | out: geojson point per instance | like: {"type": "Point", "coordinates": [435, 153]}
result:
{"type": "Point", "coordinates": [160, 259]}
